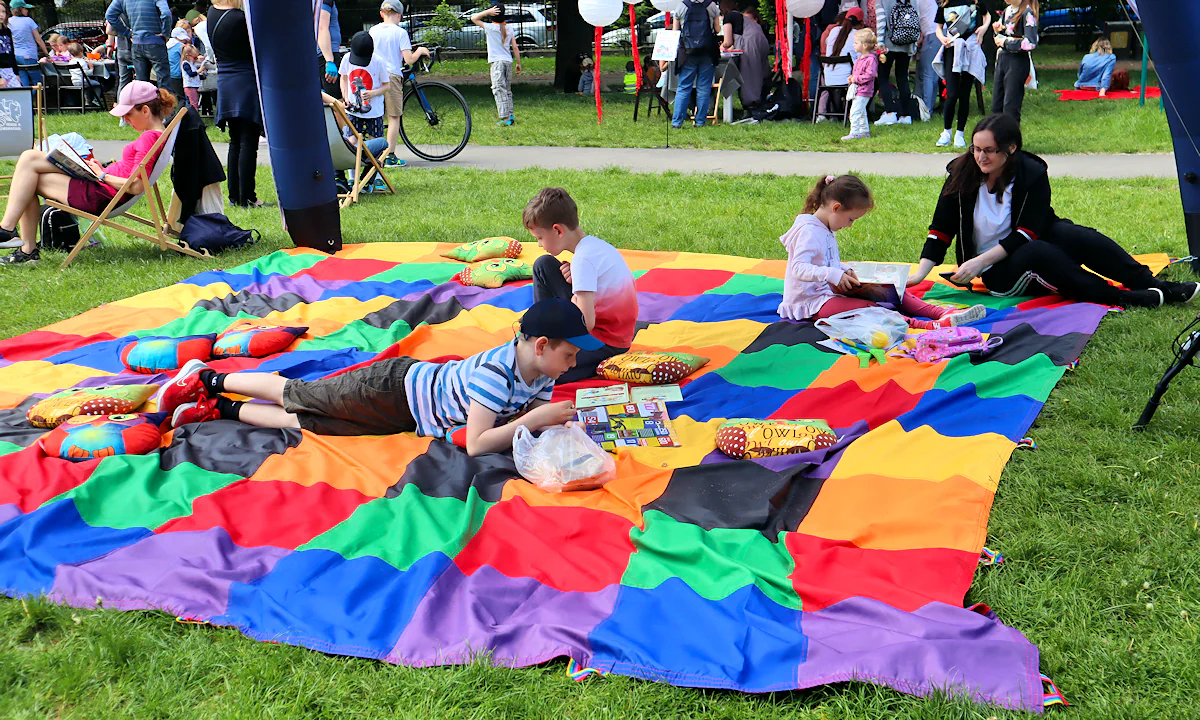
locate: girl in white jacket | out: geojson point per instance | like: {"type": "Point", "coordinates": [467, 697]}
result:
{"type": "Point", "coordinates": [818, 284]}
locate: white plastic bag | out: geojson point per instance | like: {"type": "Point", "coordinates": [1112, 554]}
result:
{"type": "Point", "coordinates": [873, 328]}
{"type": "Point", "coordinates": [563, 458]}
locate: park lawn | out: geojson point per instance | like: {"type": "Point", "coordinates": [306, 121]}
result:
{"type": "Point", "coordinates": [549, 118]}
{"type": "Point", "coordinates": [1084, 520]}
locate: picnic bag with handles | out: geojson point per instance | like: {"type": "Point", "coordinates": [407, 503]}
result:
{"type": "Point", "coordinates": [942, 343]}
{"type": "Point", "coordinates": [213, 232]}
{"type": "Point", "coordinates": [904, 24]}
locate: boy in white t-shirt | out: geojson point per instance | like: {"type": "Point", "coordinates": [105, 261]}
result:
{"type": "Point", "coordinates": [394, 48]}
{"type": "Point", "coordinates": [597, 280]}
{"type": "Point", "coordinates": [364, 78]}
{"type": "Point", "coordinates": [499, 40]}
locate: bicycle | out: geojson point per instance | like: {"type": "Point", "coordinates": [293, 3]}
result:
{"type": "Point", "coordinates": [436, 120]}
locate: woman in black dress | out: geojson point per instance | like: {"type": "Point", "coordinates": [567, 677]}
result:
{"type": "Point", "coordinates": [238, 108]}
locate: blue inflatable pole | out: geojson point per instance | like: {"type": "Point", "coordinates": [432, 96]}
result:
{"type": "Point", "coordinates": [1178, 66]}
{"type": "Point", "coordinates": [294, 120]}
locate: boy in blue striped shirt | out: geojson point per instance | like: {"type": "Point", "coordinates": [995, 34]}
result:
{"type": "Point", "coordinates": [491, 393]}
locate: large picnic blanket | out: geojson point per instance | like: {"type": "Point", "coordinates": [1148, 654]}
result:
{"type": "Point", "coordinates": [682, 570]}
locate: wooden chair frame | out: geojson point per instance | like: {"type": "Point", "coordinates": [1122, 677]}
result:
{"type": "Point", "coordinates": [39, 127]}
{"type": "Point", "coordinates": [373, 166]}
{"type": "Point", "coordinates": [153, 201]}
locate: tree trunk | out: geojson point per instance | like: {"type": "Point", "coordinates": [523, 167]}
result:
{"type": "Point", "coordinates": [574, 39]}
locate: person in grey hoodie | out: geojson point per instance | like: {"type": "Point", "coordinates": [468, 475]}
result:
{"type": "Point", "coordinates": [895, 109]}
{"type": "Point", "coordinates": [149, 26]}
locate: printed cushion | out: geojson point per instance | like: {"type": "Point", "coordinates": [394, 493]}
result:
{"type": "Point", "coordinates": [650, 368]}
{"type": "Point", "coordinates": [487, 249]}
{"type": "Point", "coordinates": [163, 354]}
{"type": "Point", "coordinates": [744, 438]}
{"type": "Point", "coordinates": [87, 437]}
{"type": "Point", "coordinates": [252, 338]}
{"type": "Point", "coordinates": [494, 273]}
{"type": "Point", "coordinates": [109, 400]}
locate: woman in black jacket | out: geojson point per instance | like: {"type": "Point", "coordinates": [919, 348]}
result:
{"type": "Point", "coordinates": [996, 207]}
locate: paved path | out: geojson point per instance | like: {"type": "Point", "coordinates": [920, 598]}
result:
{"type": "Point", "coordinates": [739, 162]}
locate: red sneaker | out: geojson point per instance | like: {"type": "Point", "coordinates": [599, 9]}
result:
{"type": "Point", "coordinates": [185, 388]}
{"type": "Point", "coordinates": [189, 413]}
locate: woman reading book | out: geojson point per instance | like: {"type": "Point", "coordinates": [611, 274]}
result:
{"type": "Point", "coordinates": [144, 107]}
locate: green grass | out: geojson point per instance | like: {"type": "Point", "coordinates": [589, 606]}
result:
{"type": "Point", "coordinates": [1084, 520]}
{"type": "Point", "coordinates": [611, 61]}
{"type": "Point", "coordinates": [546, 117]}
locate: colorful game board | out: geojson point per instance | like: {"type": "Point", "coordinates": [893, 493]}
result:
{"type": "Point", "coordinates": [848, 563]}
{"type": "Point", "coordinates": [643, 424]}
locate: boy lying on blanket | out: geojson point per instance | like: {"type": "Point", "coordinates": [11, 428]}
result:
{"type": "Point", "coordinates": [492, 393]}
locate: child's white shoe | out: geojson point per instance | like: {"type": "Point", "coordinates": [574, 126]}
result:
{"type": "Point", "coordinates": [963, 317]}
{"type": "Point", "coordinates": [960, 140]}
{"type": "Point", "coordinates": [888, 118]}
{"type": "Point", "coordinates": [944, 140]}
{"type": "Point", "coordinates": [906, 120]}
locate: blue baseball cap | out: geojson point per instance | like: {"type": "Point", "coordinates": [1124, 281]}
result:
{"type": "Point", "coordinates": [558, 318]}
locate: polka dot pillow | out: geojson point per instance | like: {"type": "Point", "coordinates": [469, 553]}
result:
{"type": "Point", "coordinates": [254, 338]}
{"type": "Point", "coordinates": [64, 404]}
{"type": "Point", "coordinates": [650, 368]}
{"type": "Point", "coordinates": [744, 438]}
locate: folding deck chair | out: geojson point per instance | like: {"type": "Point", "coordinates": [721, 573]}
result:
{"type": "Point", "coordinates": [124, 201]}
{"type": "Point", "coordinates": [348, 157]}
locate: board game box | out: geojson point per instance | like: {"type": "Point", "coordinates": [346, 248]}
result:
{"type": "Point", "coordinates": [644, 424]}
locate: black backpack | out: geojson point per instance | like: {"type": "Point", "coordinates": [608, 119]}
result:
{"type": "Point", "coordinates": [697, 37]}
{"type": "Point", "coordinates": [213, 232]}
{"type": "Point", "coordinates": [904, 24]}
{"type": "Point", "coordinates": [58, 229]}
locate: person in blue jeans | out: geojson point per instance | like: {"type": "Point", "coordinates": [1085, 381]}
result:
{"type": "Point", "coordinates": [27, 41]}
{"type": "Point", "coordinates": [697, 20]}
{"type": "Point", "coordinates": [149, 24]}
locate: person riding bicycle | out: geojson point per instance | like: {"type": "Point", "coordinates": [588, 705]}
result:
{"type": "Point", "coordinates": [394, 49]}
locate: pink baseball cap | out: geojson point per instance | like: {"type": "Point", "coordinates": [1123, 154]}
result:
{"type": "Point", "coordinates": [137, 92]}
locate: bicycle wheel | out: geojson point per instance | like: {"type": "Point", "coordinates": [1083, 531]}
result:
{"type": "Point", "coordinates": [436, 123]}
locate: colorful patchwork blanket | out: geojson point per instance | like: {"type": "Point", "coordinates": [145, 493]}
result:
{"type": "Point", "coordinates": [847, 563]}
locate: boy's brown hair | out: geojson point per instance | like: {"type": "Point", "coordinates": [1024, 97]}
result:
{"type": "Point", "coordinates": [550, 207]}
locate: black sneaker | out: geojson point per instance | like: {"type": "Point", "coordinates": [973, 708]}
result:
{"type": "Point", "coordinates": [19, 256]}
{"type": "Point", "coordinates": [10, 239]}
{"type": "Point", "coordinates": [1150, 298]}
{"type": "Point", "coordinates": [1180, 293]}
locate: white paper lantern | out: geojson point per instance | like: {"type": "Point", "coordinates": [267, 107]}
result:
{"type": "Point", "coordinates": [671, 6]}
{"type": "Point", "coordinates": [600, 12]}
{"type": "Point", "coordinates": [804, 8]}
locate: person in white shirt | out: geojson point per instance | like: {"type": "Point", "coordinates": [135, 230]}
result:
{"type": "Point", "coordinates": [394, 49]}
{"type": "Point", "coordinates": [364, 79]}
{"type": "Point", "coordinates": [499, 41]}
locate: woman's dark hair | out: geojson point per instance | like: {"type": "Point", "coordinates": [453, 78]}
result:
{"type": "Point", "coordinates": [965, 175]}
{"type": "Point", "coordinates": [162, 105]}
{"type": "Point", "coordinates": [844, 34]}
{"type": "Point", "coordinates": [849, 190]}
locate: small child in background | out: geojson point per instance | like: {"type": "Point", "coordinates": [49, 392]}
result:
{"type": "Point", "coordinates": [862, 83]}
{"type": "Point", "coordinates": [180, 36]}
{"type": "Point", "coordinates": [817, 282]}
{"type": "Point", "coordinates": [586, 76]}
{"type": "Point", "coordinates": [194, 69]}
{"type": "Point", "coordinates": [630, 78]}
{"type": "Point", "coordinates": [82, 77]}
{"type": "Point", "coordinates": [58, 49]}
{"type": "Point", "coordinates": [502, 47]}
{"type": "Point", "coordinates": [364, 81]}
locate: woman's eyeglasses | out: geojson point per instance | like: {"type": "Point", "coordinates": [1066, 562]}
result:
{"type": "Point", "coordinates": [986, 152]}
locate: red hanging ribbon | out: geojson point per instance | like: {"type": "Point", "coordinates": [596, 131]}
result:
{"type": "Point", "coordinates": [596, 78]}
{"type": "Point", "coordinates": [633, 40]}
{"type": "Point", "coordinates": [783, 39]}
{"type": "Point", "coordinates": [806, 67]}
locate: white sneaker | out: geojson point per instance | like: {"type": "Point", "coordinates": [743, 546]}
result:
{"type": "Point", "coordinates": [821, 119]}
{"type": "Point", "coordinates": [969, 315]}
{"type": "Point", "coordinates": [960, 141]}
{"type": "Point", "coordinates": [906, 120]}
{"type": "Point", "coordinates": [887, 119]}
{"type": "Point", "coordinates": [944, 140]}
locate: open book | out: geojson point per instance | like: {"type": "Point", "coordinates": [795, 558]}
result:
{"type": "Point", "coordinates": [881, 282]}
{"type": "Point", "coordinates": [67, 159]}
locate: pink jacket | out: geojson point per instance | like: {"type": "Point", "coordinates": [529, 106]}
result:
{"type": "Point", "coordinates": [813, 263]}
{"type": "Point", "coordinates": [866, 67]}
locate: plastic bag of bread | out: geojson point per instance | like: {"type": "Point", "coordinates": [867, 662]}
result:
{"type": "Point", "coordinates": [562, 458]}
